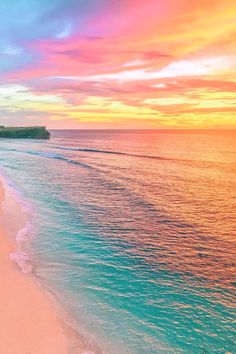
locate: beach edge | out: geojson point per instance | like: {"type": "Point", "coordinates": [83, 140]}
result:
{"type": "Point", "coordinates": [27, 313]}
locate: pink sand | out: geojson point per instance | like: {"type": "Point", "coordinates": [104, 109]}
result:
{"type": "Point", "coordinates": [29, 323]}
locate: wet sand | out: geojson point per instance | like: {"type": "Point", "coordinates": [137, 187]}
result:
{"type": "Point", "coordinates": [29, 323]}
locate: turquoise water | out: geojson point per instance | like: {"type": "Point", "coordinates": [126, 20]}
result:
{"type": "Point", "coordinates": [134, 232]}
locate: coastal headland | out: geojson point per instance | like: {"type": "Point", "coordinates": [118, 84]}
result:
{"type": "Point", "coordinates": [24, 132]}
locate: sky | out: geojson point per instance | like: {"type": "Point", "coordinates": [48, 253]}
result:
{"type": "Point", "coordinates": [118, 63]}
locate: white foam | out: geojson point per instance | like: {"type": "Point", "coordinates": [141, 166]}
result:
{"type": "Point", "coordinates": [22, 233]}
{"type": "Point", "coordinates": [21, 257]}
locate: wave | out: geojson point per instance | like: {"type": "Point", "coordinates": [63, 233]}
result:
{"type": "Point", "coordinates": [21, 256]}
{"type": "Point", "coordinates": [205, 163]}
{"type": "Point", "coordinates": [200, 163]}
{"type": "Point", "coordinates": [115, 153]}
{"type": "Point", "coordinates": [209, 164]}
{"type": "Point", "coordinates": [58, 157]}
{"type": "Point", "coordinates": [50, 156]}
{"type": "Point", "coordinates": [23, 235]}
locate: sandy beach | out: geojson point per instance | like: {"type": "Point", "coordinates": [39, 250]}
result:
{"type": "Point", "coordinates": [28, 321]}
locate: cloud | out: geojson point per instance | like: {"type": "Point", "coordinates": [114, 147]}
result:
{"type": "Point", "coordinates": [65, 32]}
{"type": "Point", "coordinates": [181, 68]}
{"type": "Point", "coordinates": [118, 60]}
{"type": "Point", "coordinates": [137, 62]}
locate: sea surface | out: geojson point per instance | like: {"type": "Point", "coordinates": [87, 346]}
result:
{"type": "Point", "coordinates": [135, 234]}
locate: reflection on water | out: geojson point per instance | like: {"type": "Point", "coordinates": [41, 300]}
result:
{"type": "Point", "coordinates": [136, 234]}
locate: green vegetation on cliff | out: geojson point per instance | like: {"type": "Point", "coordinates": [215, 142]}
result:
{"type": "Point", "coordinates": [24, 132]}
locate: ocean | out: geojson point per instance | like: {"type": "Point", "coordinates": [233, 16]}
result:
{"type": "Point", "coordinates": [134, 234]}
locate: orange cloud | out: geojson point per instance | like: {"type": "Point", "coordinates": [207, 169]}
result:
{"type": "Point", "coordinates": [153, 62]}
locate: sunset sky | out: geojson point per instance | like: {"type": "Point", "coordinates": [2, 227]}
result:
{"type": "Point", "coordinates": [118, 63]}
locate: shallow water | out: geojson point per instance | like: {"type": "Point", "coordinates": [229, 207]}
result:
{"type": "Point", "coordinates": [135, 234]}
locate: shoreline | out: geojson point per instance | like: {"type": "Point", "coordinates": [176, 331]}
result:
{"type": "Point", "coordinates": [29, 323]}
